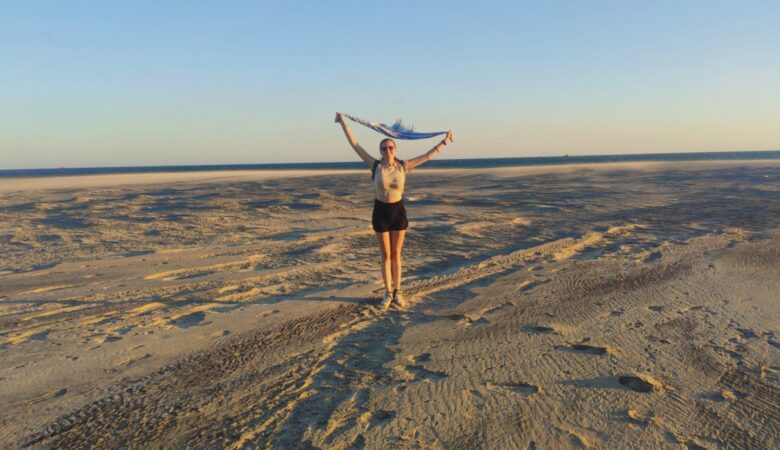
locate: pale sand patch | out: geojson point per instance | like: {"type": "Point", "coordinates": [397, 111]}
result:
{"type": "Point", "coordinates": [146, 308]}
{"type": "Point", "coordinates": [204, 270]}
{"type": "Point", "coordinates": [52, 312]}
{"type": "Point", "coordinates": [41, 290]}
{"type": "Point", "coordinates": [92, 181]}
{"type": "Point", "coordinates": [591, 239]}
{"type": "Point", "coordinates": [239, 296]}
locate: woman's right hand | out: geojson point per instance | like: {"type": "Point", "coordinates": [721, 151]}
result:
{"type": "Point", "coordinates": [339, 117]}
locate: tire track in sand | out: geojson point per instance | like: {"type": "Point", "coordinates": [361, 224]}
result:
{"type": "Point", "coordinates": [266, 366]}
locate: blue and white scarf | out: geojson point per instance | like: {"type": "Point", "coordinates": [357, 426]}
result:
{"type": "Point", "coordinates": [396, 131]}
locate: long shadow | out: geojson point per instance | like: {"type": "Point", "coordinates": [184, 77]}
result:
{"type": "Point", "coordinates": [356, 366]}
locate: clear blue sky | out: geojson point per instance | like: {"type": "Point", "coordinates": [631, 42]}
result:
{"type": "Point", "coordinates": [105, 83]}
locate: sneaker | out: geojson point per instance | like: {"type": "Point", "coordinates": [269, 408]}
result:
{"type": "Point", "coordinates": [399, 299]}
{"type": "Point", "coordinates": [386, 301]}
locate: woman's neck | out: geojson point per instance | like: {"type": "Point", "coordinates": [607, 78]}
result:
{"type": "Point", "coordinates": [387, 161]}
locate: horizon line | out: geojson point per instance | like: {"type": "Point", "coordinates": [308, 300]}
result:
{"type": "Point", "coordinates": [433, 163]}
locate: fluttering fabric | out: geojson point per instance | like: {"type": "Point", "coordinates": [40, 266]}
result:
{"type": "Point", "coordinates": [397, 130]}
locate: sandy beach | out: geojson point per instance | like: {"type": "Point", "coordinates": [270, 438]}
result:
{"type": "Point", "coordinates": [593, 306]}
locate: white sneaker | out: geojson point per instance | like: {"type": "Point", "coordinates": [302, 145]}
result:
{"type": "Point", "coordinates": [400, 299]}
{"type": "Point", "coordinates": [386, 301]}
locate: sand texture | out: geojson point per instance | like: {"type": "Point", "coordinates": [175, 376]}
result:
{"type": "Point", "coordinates": [616, 306]}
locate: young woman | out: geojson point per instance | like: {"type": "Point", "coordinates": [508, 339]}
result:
{"type": "Point", "coordinates": [389, 217]}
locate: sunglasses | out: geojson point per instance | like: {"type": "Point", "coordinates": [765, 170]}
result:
{"type": "Point", "coordinates": [384, 149]}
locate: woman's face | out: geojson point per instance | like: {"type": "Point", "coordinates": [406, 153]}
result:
{"type": "Point", "coordinates": [388, 149]}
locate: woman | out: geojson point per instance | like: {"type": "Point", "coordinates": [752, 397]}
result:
{"type": "Point", "coordinates": [389, 216]}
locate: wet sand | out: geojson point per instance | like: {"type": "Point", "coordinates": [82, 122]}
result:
{"type": "Point", "coordinates": [603, 306]}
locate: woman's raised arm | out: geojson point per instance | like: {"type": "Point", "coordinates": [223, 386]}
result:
{"type": "Point", "coordinates": [340, 118]}
{"type": "Point", "coordinates": [425, 157]}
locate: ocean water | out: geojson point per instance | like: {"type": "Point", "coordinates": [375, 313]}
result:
{"type": "Point", "coordinates": [436, 163]}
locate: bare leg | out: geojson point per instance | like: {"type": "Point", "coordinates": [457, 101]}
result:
{"type": "Point", "coordinates": [396, 244]}
{"type": "Point", "coordinates": [384, 248]}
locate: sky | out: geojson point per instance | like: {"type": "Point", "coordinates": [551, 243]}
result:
{"type": "Point", "coordinates": [134, 83]}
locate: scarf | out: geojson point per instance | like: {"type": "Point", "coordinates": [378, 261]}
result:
{"type": "Point", "coordinates": [396, 131]}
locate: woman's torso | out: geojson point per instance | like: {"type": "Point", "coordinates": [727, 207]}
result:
{"type": "Point", "coordinates": [389, 182]}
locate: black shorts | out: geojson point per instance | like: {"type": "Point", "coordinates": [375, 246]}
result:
{"type": "Point", "coordinates": [389, 216]}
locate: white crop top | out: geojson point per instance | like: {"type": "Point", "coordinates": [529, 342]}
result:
{"type": "Point", "coordinates": [389, 182]}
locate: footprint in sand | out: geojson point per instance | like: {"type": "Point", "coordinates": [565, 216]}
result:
{"type": "Point", "coordinates": [539, 329]}
{"type": "Point", "coordinates": [585, 348]}
{"type": "Point", "coordinates": [641, 420]}
{"type": "Point", "coordinates": [577, 440]}
{"type": "Point", "coordinates": [378, 417]}
{"type": "Point", "coordinates": [652, 257]}
{"type": "Point", "coordinates": [104, 339]}
{"type": "Point", "coordinates": [696, 444]}
{"type": "Point", "coordinates": [131, 360]}
{"type": "Point", "coordinates": [47, 396]}
{"type": "Point", "coordinates": [637, 383]}
{"type": "Point", "coordinates": [770, 374]}
{"type": "Point", "coordinates": [468, 320]}
{"type": "Point", "coordinates": [416, 372]}
{"type": "Point", "coordinates": [745, 333]}
{"type": "Point", "coordinates": [498, 308]}
{"type": "Point", "coordinates": [189, 320]}
{"type": "Point", "coordinates": [527, 285]}
{"type": "Point", "coordinates": [735, 355]}
{"type": "Point", "coordinates": [421, 358]}
{"type": "Point", "coordinates": [652, 338]}
{"type": "Point", "coordinates": [642, 384]}
{"type": "Point", "coordinates": [635, 325]}
{"type": "Point", "coordinates": [689, 309]}
{"type": "Point", "coordinates": [613, 313]}
{"type": "Point", "coordinates": [38, 336]}
{"type": "Point", "coordinates": [520, 387]}
{"type": "Point", "coordinates": [266, 313]}
{"type": "Point", "coordinates": [421, 373]}
{"type": "Point", "coordinates": [723, 395]}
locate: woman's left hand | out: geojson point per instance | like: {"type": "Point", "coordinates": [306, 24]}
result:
{"type": "Point", "coordinates": [449, 137]}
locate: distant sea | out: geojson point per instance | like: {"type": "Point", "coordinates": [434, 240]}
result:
{"type": "Point", "coordinates": [436, 163]}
